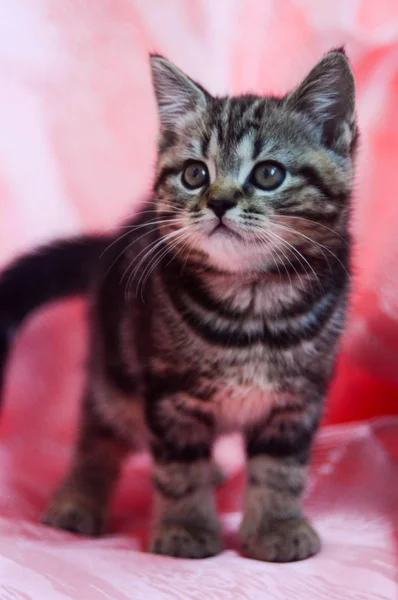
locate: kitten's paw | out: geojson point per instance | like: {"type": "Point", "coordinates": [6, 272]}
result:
{"type": "Point", "coordinates": [182, 541]}
{"type": "Point", "coordinates": [282, 541]}
{"type": "Point", "coordinates": [76, 514]}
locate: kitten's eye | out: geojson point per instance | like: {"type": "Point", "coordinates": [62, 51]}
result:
{"type": "Point", "coordinates": [268, 175]}
{"type": "Point", "coordinates": [195, 175]}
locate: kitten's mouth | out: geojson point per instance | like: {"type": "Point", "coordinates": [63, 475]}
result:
{"type": "Point", "coordinates": [223, 229]}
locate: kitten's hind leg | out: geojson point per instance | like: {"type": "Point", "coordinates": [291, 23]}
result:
{"type": "Point", "coordinates": [81, 503]}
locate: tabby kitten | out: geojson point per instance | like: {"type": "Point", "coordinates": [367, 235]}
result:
{"type": "Point", "coordinates": [218, 308]}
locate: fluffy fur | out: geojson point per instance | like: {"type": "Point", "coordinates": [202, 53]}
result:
{"type": "Point", "coordinates": [219, 308]}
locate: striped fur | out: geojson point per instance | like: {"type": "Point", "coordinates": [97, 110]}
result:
{"type": "Point", "coordinates": [203, 324]}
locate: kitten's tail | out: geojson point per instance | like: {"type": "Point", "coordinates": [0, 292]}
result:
{"type": "Point", "coordinates": [52, 272]}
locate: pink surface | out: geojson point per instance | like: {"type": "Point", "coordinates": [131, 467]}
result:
{"type": "Point", "coordinates": [352, 496]}
{"type": "Point", "coordinates": [78, 126]}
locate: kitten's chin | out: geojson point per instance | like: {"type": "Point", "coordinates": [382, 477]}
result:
{"type": "Point", "coordinates": [229, 252]}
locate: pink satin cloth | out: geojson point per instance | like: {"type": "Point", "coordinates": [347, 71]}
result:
{"type": "Point", "coordinates": [78, 130]}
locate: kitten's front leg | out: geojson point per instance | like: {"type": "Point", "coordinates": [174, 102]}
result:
{"type": "Point", "coordinates": [274, 527]}
{"type": "Point", "coordinates": [186, 520]}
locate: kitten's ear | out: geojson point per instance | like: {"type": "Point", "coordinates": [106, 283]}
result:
{"type": "Point", "coordinates": [327, 97]}
{"type": "Point", "coordinates": [175, 92]}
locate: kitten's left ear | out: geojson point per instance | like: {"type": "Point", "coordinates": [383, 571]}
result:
{"type": "Point", "coordinates": [327, 97]}
{"type": "Point", "coordinates": [176, 94]}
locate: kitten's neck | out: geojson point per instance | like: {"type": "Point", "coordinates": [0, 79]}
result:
{"type": "Point", "coordinates": [248, 293]}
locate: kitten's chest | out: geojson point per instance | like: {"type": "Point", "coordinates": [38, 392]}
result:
{"type": "Point", "coordinates": [236, 407]}
{"type": "Point", "coordinates": [243, 397]}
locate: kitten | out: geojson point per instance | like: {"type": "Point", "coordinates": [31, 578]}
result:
{"type": "Point", "coordinates": [218, 308]}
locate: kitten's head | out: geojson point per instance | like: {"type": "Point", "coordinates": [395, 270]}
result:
{"type": "Point", "coordinates": [244, 183]}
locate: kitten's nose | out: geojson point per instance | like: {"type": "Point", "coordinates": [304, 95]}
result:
{"type": "Point", "coordinates": [220, 205]}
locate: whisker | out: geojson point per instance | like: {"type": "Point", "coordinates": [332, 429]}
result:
{"type": "Point", "coordinates": [154, 225]}
{"type": "Point", "coordinates": [132, 228]}
{"type": "Point", "coordinates": [145, 249]}
{"type": "Point", "coordinates": [148, 250]}
{"type": "Point", "coordinates": [298, 254]}
{"type": "Point", "coordinates": [292, 248]}
{"type": "Point", "coordinates": [156, 260]}
{"type": "Point", "coordinates": [293, 231]}
{"type": "Point", "coordinates": [288, 260]}
{"type": "Point", "coordinates": [301, 257]}
{"type": "Point", "coordinates": [318, 244]}
{"type": "Point", "coordinates": [155, 209]}
{"type": "Point", "coordinates": [187, 257]}
{"type": "Point", "coordinates": [158, 256]}
{"type": "Point", "coordinates": [273, 258]}
{"type": "Point", "coordinates": [313, 223]}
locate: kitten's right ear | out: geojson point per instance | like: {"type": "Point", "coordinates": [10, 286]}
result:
{"type": "Point", "coordinates": [175, 92]}
{"type": "Point", "coordinates": [327, 97]}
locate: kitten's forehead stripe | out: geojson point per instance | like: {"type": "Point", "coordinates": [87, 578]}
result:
{"type": "Point", "coordinates": [257, 146]}
{"type": "Point", "coordinates": [205, 142]}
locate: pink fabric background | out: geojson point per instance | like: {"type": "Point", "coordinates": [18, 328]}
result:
{"type": "Point", "coordinates": [77, 143]}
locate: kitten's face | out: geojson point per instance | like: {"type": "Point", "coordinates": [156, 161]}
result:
{"type": "Point", "coordinates": [245, 183]}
